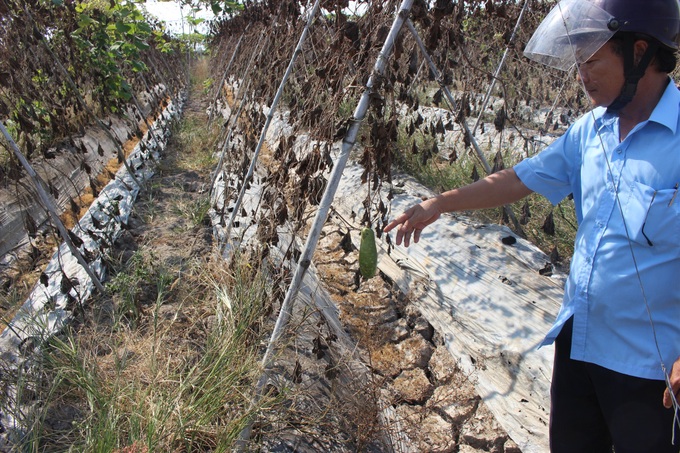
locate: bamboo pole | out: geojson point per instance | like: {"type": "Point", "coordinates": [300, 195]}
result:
{"type": "Point", "coordinates": [259, 48]}
{"type": "Point", "coordinates": [324, 206]}
{"type": "Point", "coordinates": [184, 35]}
{"type": "Point", "coordinates": [148, 126]}
{"type": "Point", "coordinates": [147, 87]}
{"type": "Point", "coordinates": [135, 100]}
{"type": "Point", "coordinates": [234, 119]}
{"type": "Point", "coordinates": [500, 66]}
{"type": "Point", "coordinates": [51, 209]}
{"type": "Point", "coordinates": [453, 107]}
{"type": "Point", "coordinates": [270, 116]}
{"type": "Point", "coordinates": [177, 87]}
{"type": "Point", "coordinates": [160, 77]}
{"type": "Point", "coordinates": [114, 139]}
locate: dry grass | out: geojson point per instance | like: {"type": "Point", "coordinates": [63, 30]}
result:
{"type": "Point", "coordinates": [178, 378]}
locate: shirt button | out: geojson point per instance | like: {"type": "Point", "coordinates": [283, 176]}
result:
{"type": "Point", "coordinates": [588, 259]}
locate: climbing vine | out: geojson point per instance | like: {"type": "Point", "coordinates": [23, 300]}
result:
{"type": "Point", "coordinates": [109, 50]}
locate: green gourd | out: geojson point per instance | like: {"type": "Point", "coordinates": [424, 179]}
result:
{"type": "Point", "coordinates": [368, 253]}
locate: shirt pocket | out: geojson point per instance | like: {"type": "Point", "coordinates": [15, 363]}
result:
{"type": "Point", "coordinates": [653, 216]}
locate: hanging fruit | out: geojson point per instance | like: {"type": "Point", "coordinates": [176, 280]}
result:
{"type": "Point", "coordinates": [368, 254]}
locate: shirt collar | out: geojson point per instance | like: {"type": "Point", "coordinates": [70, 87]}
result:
{"type": "Point", "coordinates": [665, 113]}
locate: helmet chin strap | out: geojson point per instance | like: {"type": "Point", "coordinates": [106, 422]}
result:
{"type": "Point", "coordinates": [632, 72]}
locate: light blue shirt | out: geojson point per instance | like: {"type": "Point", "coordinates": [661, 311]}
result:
{"type": "Point", "coordinates": [604, 292]}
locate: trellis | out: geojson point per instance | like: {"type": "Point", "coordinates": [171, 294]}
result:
{"type": "Point", "coordinates": [340, 161]}
{"type": "Point", "coordinates": [350, 130]}
{"type": "Point", "coordinates": [49, 60]}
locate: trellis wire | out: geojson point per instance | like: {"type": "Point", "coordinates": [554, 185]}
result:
{"type": "Point", "coordinates": [325, 204]}
{"type": "Point", "coordinates": [494, 79]}
{"type": "Point", "coordinates": [51, 209]}
{"type": "Point", "coordinates": [219, 87]}
{"type": "Point", "coordinates": [270, 115]}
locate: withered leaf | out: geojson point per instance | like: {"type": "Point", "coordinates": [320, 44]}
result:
{"type": "Point", "coordinates": [475, 174]}
{"type": "Point", "coordinates": [297, 372]}
{"type": "Point", "coordinates": [526, 214]}
{"type": "Point", "coordinates": [75, 239]}
{"type": "Point", "coordinates": [549, 225]}
{"type": "Point", "coordinates": [319, 347]}
{"type": "Point", "coordinates": [498, 163]}
{"type": "Point", "coordinates": [346, 243]}
{"type": "Point", "coordinates": [547, 270]}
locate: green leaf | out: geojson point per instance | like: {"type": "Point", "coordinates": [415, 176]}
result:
{"type": "Point", "coordinates": [195, 20]}
{"type": "Point", "coordinates": [122, 27]}
{"type": "Point", "coordinates": [144, 27]}
{"type": "Point", "coordinates": [126, 90]}
{"type": "Point", "coordinates": [141, 45]}
{"type": "Point", "coordinates": [138, 66]}
{"type": "Point", "coordinates": [85, 21]}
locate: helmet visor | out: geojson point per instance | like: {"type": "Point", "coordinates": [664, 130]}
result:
{"type": "Point", "coordinates": [570, 34]}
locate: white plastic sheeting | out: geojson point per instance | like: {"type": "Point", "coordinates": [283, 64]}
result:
{"type": "Point", "coordinates": [64, 284]}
